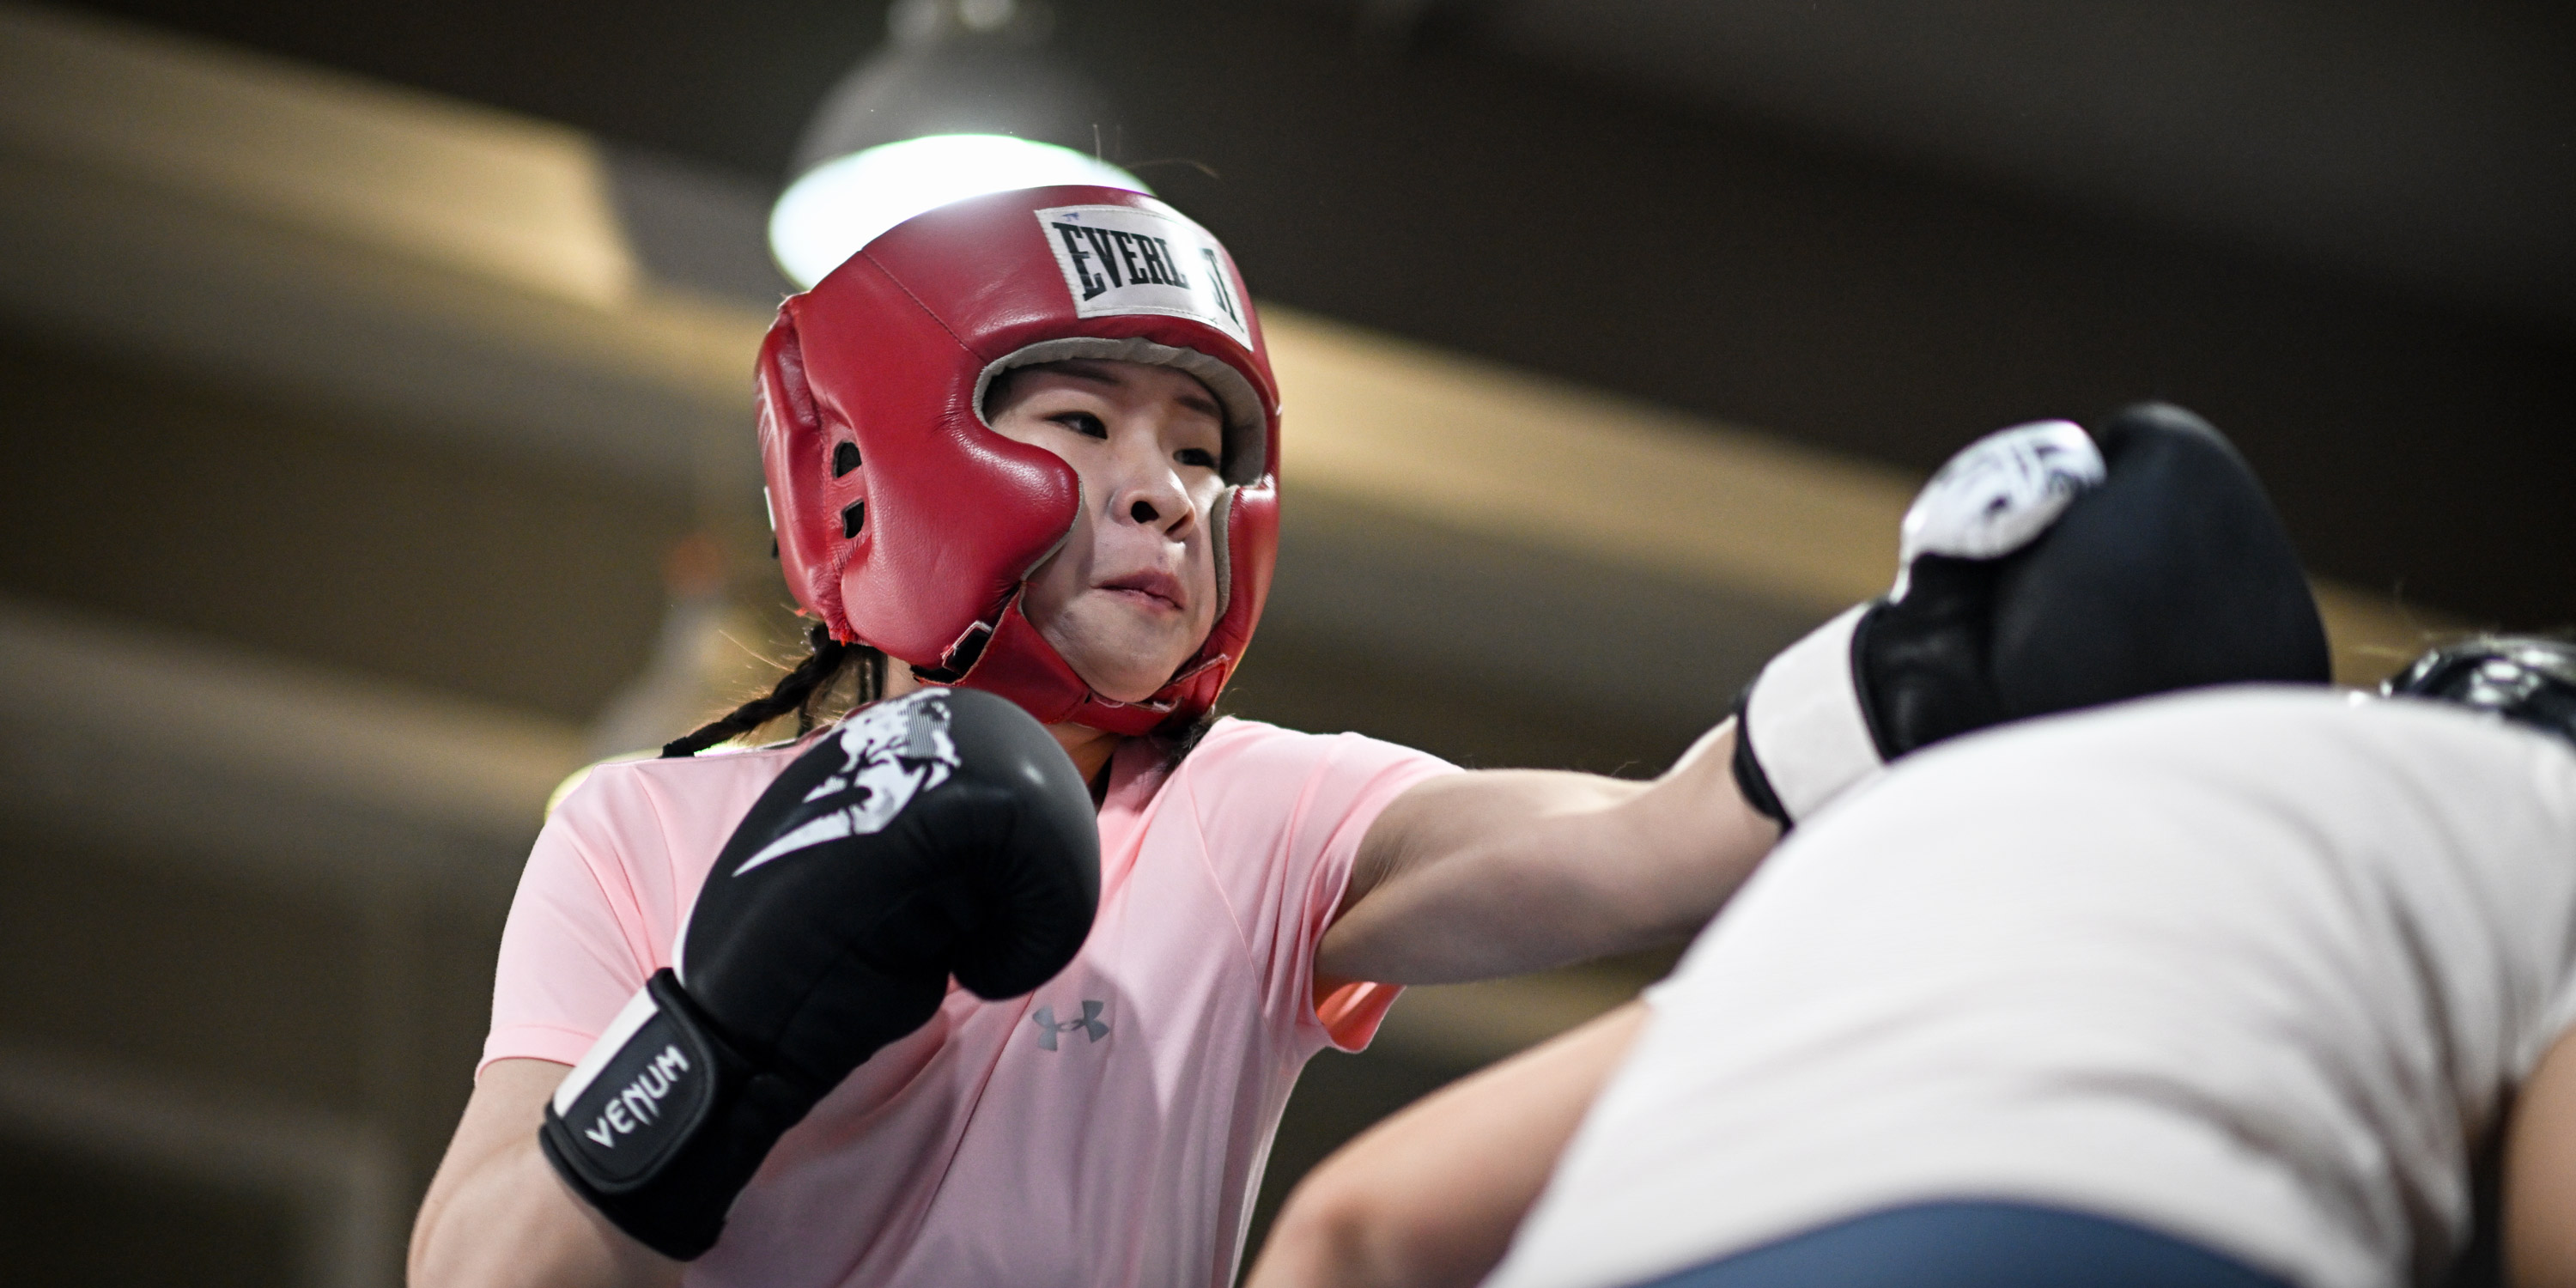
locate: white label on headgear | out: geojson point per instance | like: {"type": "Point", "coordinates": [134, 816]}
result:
{"type": "Point", "coordinates": [1118, 260]}
{"type": "Point", "coordinates": [2001, 491]}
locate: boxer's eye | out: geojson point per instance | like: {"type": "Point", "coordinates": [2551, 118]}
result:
{"type": "Point", "coordinates": [1198, 457]}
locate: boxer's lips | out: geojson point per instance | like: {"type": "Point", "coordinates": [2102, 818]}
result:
{"type": "Point", "coordinates": [1152, 590]}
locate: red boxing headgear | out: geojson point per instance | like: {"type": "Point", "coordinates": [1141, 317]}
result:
{"type": "Point", "coordinates": [905, 522]}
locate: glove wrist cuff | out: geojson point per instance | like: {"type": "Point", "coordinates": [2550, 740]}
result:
{"type": "Point", "coordinates": [653, 1127]}
{"type": "Point", "coordinates": [1804, 736]}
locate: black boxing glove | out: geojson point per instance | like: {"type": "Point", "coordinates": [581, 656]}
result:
{"type": "Point", "coordinates": [943, 832]}
{"type": "Point", "coordinates": [2044, 570]}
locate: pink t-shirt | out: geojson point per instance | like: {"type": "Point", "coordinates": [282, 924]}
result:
{"type": "Point", "coordinates": [1109, 1128]}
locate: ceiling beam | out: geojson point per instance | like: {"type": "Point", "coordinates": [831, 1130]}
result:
{"type": "Point", "coordinates": [312, 232]}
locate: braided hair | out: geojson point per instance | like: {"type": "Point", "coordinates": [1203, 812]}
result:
{"type": "Point", "coordinates": [800, 690]}
{"type": "Point", "coordinates": [806, 687]}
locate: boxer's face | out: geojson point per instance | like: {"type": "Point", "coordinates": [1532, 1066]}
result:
{"type": "Point", "coordinates": [1131, 594]}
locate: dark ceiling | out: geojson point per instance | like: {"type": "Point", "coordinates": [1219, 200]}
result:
{"type": "Point", "coordinates": [2423, 145]}
{"type": "Point", "coordinates": [2340, 234]}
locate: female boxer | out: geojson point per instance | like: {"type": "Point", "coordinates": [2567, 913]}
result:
{"type": "Point", "coordinates": [1027, 445]}
{"type": "Point", "coordinates": [2235, 989]}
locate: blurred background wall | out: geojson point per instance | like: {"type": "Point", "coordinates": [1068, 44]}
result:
{"type": "Point", "coordinates": [374, 390]}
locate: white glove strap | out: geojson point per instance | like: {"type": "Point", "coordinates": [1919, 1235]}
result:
{"type": "Point", "coordinates": [640, 1009]}
{"type": "Point", "coordinates": [1804, 722]}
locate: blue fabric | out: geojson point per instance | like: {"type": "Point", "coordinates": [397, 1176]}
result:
{"type": "Point", "coordinates": [1975, 1245]}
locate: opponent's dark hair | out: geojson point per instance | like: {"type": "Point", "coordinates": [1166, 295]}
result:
{"type": "Point", "coordinates": [801, 690]}
{"type": "Point", "coordinates": [2528, 679]}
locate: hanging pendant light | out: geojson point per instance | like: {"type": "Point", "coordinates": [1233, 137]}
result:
{"type": "Point", "coordinates": [964, 99]}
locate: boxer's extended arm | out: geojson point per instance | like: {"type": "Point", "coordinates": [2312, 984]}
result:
{"type": "Point", "coordinates": [2540, 1175]}
{"type": "Point", "coordinates": [1431, 1196]}
{"type": "Point", "coordinates": [1468, 876]}
{"type": "Point", "coordinates": [2044, 572]}
{"type": "Point", "coordinates": [498, 1215]}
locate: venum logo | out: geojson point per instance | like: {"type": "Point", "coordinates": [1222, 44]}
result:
{"type": "Point", "coordinates": [641, 1102]}
{"type": "Point", "coordinates": [1090, 1025]}
{"type": "Point", "coordinates": [891, 752]}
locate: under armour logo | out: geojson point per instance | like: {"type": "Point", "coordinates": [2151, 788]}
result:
{"type": "Point", "coordinates": [1091, 1025]}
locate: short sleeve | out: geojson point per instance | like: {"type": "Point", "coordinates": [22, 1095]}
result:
{"type": "Point", "coordinates": [578, 942]}
{"type": "Point", "coordinates": [1282, 815]}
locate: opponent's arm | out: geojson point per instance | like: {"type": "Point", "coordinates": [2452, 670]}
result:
{"type": "Point", "coordinates": [2540, 1175]}
{"type": "Point", "coordinates": [2045, 569]}
{"type": "Point", "coordinates": [497, 1216]}
{"type": "Point", "coordinates": [1431, 1196]}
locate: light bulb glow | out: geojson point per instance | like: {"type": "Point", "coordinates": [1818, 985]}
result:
{"type": "Point", "coordinates": [841, 205]}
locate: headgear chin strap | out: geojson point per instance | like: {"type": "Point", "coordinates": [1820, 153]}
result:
{"type": "Point", "coordinates": [905, 522]}
{"type": "Point", "coordinates": [2525, 679]}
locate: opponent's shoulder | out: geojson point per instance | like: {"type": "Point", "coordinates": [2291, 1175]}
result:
{"type": "Point", "coordinates": [2396, 730]}
{"type": "Point", "coordinates": [2296, 747]}
{"type": "Point", "coordinates": [2248, 704]}
{"type": "Point", "coordinates": [2233, 716]}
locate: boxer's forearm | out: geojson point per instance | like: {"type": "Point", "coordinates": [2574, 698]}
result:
{"type": "Point", "coordinates": [1475, 875]}
{"type": "Point", "coordinates": [1431, 1196]}
{"type": "Point", "coordinates": [2540, 1175]}
{"type": "Point", "coordinates": [498, 1217]}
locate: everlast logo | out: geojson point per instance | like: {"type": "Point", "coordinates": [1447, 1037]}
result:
{"type": "Point", "coordinates": [641, 1102]}
{"type": "Point", "coordinates": [1126, 260]}
{"type": "Point", "coordinates": [1106, 258]}
{"type": "Point", "coordinates": [1218, 288]}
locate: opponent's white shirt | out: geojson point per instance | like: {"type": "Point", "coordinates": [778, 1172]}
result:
{"type": "Point", "coordinates": [2254, 967]}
